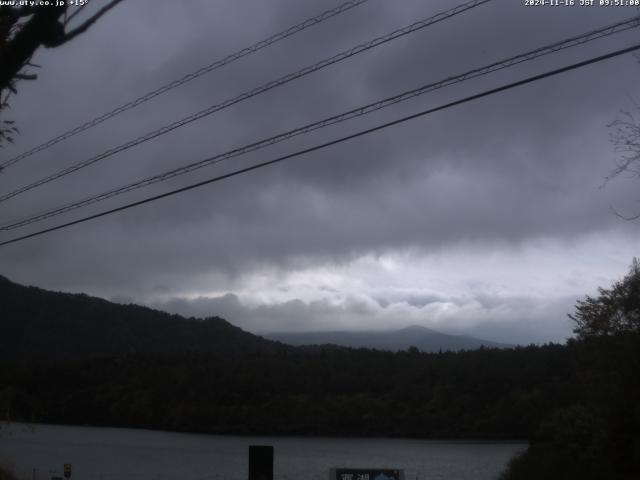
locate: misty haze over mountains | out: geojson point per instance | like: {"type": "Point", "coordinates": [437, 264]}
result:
{"type": "Point", "coordinates": [37, 323]}
{"type": "Point", "coordinates": [424, 339]}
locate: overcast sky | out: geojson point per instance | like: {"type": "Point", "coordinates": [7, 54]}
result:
{"type": "Point", "coordinates": [489, 218]}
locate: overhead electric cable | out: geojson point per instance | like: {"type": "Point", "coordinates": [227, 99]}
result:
{"type": "Point", "coordinates": [353, 113]}
{"type": "Point", "coordinates": [309, 22]}
{"type": "Point", "coordinates": [361, 133]}
{"type": "Point", "coordinates": [252, 93]}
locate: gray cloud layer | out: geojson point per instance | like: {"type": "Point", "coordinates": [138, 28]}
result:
{"type": "Point", "coordinates": [517, 320]}
{"type": "Point", "coordinates": [506, 170]}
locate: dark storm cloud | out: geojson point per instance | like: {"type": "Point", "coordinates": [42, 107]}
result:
{"type": "Point", "coordinates": [522, 165]}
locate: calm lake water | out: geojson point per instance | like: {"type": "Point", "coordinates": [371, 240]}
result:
{"type": "Point", "coordinates": [125, 454]}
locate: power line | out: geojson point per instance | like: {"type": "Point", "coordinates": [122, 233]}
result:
{"type": "Point", "coordinates": [361, 133]}
{"type": "Point", "coordinates": [188, 77]}
{"type": "Point", "coordinates": [350, 114]}
{"type": "Point", "coordinates": [252, 93]}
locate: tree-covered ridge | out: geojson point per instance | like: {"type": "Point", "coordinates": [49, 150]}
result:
{"type": "Point", "coordinates": [40, 324]}
{"type": "Point", "coordinates": [422, 338]}
{"type": "Point", "coordinates": [484, 393]}
{"type": "Point", "coordinates": [72, 358]}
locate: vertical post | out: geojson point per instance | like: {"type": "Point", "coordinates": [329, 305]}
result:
{"type": "Point", "coordinates": [260, 462]}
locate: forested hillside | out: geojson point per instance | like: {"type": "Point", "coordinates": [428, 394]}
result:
{"type": "Point", "coordinates": [40, 324]}
{"type": "Point", "coordinates": [483, 393]}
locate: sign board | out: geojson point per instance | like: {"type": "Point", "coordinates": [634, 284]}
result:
{"type": "Point", "coordinates": [260, 462]}
{"type": "Point", "coordinates": [67, 470]}
{"type": "Point", "coordinates": [366, 474]}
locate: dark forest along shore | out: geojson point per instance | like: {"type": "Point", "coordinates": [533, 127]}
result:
{"type": "Point", "coordinates": [127, 454]}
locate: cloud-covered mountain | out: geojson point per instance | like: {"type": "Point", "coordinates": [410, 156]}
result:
{"type": "Point", "coordinates": [422, 338]}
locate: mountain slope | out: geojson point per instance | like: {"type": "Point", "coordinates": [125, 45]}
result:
{"type": "Point", "coordinates": [40, 324]}
{"type": "Point", "coordinates": [422, 338]}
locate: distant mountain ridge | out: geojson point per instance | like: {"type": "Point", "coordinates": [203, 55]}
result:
{"type": "Point", "coordinates": [424, 339]}
{"type": "Point", "coordinates": [37, 324]}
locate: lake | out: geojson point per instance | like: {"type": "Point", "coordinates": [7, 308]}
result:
{"type": "Point", "coordinates": [39, 452]}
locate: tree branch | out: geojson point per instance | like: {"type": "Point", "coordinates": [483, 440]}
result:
{"type": "Point", "coordinates": [90, 21]}
{"type": "Point", "coordinates": [70, 17]}
{"type": "Point", "coordinates": [26, 76]}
